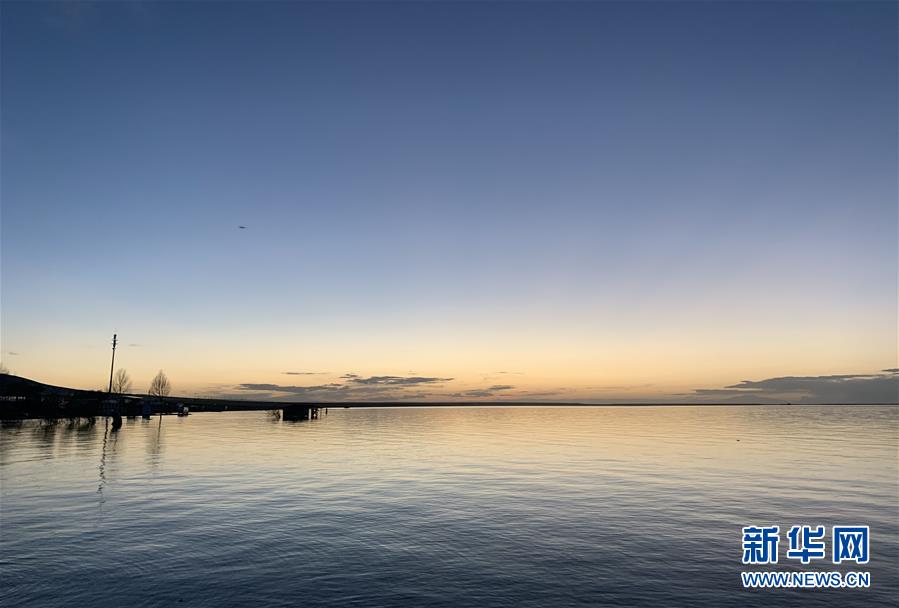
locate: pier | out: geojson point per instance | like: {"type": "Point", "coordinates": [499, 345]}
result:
{"type": "Point", "coordinates": [301, 412]}
{"type": "Point", "coordinates": [21, 398]}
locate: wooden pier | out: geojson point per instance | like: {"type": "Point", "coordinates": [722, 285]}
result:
{"type": "Point", "coordinates": [301, 412]}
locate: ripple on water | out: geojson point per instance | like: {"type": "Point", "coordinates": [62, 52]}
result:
{"type": "Point", "coordinates": [438, 507]}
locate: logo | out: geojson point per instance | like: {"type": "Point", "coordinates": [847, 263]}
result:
{"type": "Point", "coordinates": [850, 544]}
{"type": "Point", "coordinates": [805, 544]}
{"type": "Point", "coordinates": [760, 544]}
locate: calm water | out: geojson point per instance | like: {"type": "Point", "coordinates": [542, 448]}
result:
{"type": "Point", "coordinates": [439, 507]}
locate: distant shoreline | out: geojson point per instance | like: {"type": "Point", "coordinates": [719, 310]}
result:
{"type": "Point", "coordinates": [22, 398]}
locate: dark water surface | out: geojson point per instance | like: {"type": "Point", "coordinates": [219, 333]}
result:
{"type": "Point", "coordinates": [440, 507]}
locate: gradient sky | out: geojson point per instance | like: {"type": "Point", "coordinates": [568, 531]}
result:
{"type": "Point", "coordinates": [535, 200]}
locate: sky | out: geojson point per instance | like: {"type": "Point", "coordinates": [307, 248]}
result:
{"type": "Point", "coordinates": [570, 201]}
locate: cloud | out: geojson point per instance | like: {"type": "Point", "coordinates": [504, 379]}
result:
{"type": "Point", "coordinates": [882, 387]}
{"type": "Point", "coordinates": [133, 345]}
{"type": "Point", "coordinates": [716, 395]}
{"type": "Point", "coordinates": [304, 373]}
{"type": "Point", "coordinates": [297, 390]}
{"type": "Point", "coordinates": [333, 392]}
{"type": "Point", "coordinates": [352, 387]}
{"type": "Point", "coordinates": [879, 387]}
{"type": "Point", "coordinates": [499, 376]}
{"type": "Point", "coordinates": [490, 391]}
{"type": "Point", "coordinates": [395, 380]}
{"type": "Point", "coordinates": [13, 353]}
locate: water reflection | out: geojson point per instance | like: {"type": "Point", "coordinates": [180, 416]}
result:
{"type": "Point", "coordinates": [45, 435]}
{"type": "Point", "coordinates": [153, 441]}
{"type": "Point", "coordinates": [443, 507]}
{"type": "Point", "coordinates": [108, 448]}
{"type": "Point", "coordinates": [110, 440]}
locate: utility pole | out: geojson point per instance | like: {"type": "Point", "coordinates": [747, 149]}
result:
{"type": "Point", "coordinates": [112, 365]}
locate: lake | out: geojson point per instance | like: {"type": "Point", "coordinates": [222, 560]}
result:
{"type": "Point", "coordinates": [467, 506]}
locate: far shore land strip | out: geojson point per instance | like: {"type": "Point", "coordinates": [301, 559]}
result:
{"type": "Point", "coordinates": [21, 398]}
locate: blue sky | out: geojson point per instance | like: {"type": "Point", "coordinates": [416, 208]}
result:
{"type": "Point", "coordinates": [650, 196]}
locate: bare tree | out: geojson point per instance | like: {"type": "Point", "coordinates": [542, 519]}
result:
{"type": "Point", "coordinates": [160, 387]}
{"type": "Point", "coordinates": [121, 382]}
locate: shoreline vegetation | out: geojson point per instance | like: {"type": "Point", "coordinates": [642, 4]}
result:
{"type": "Point", "coordinates": [22, 398]}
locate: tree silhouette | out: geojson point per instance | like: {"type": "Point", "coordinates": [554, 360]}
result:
{"type": "Point", "coordinates": [160, 387]}
{"type": "Point", "coordinates": [121, 382]}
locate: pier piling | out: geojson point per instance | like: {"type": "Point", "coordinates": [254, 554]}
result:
{"type": "Point", "coordinates": [300, 412]}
